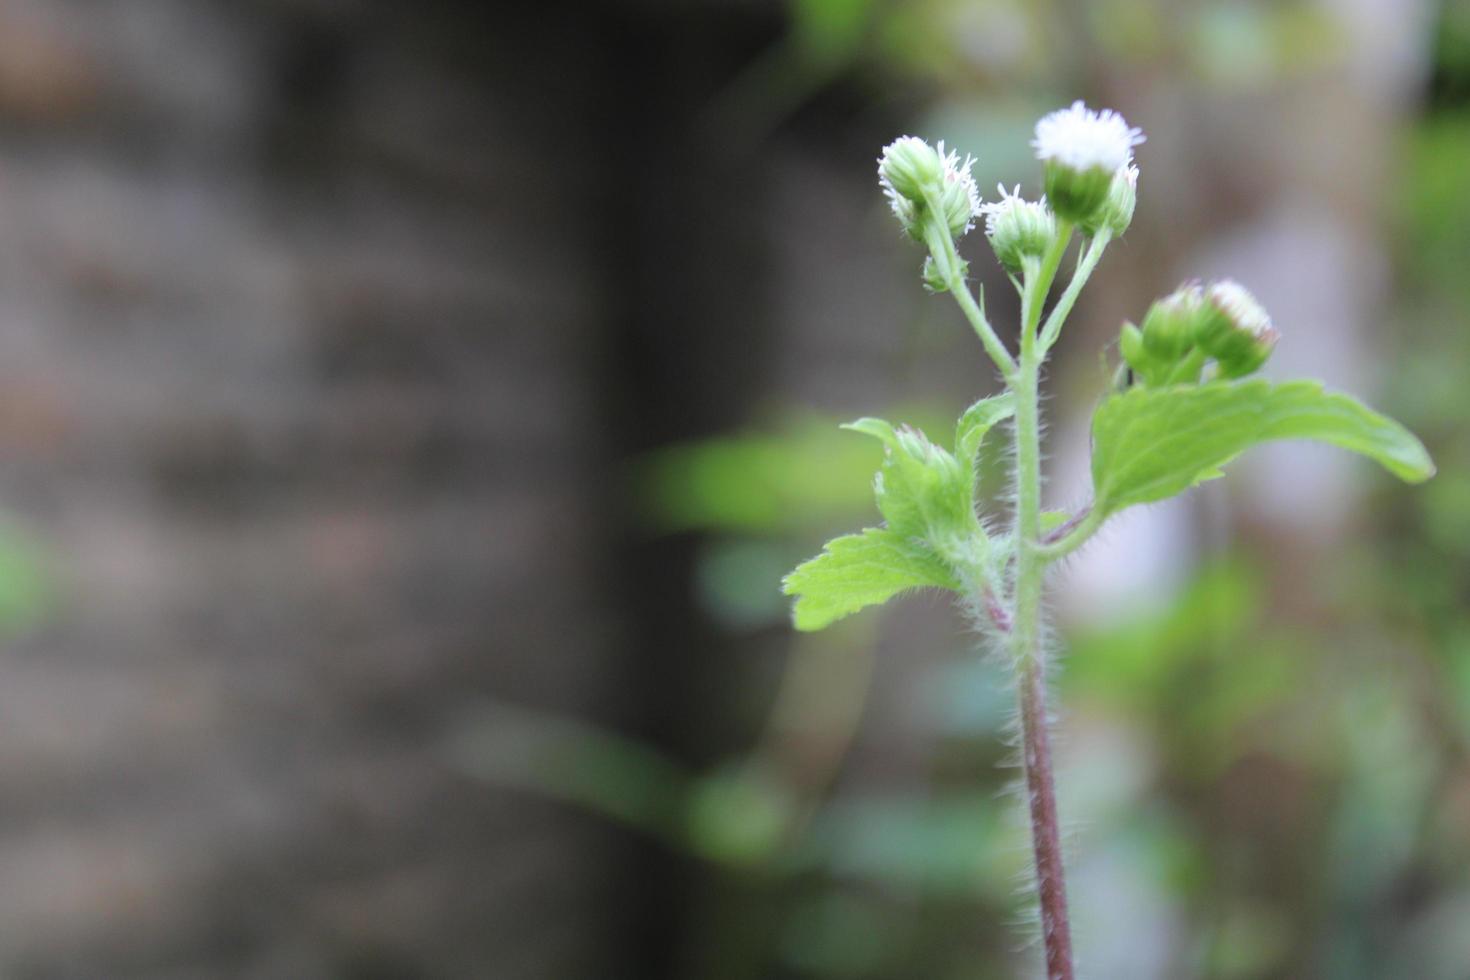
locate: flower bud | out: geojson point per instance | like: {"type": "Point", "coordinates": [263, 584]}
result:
{"type": "Point", "coordinates": [1237, 333]}
{"type": "Point", "coordinates": [1082, 151]}
{"type": "Point", "coordinates": [1018, 229]}
{"type": "Point", "coordinates": [909, 166]}
{"type": "Point", "coordinates": [935, 279]}
{"type": "Point", "coordinates": [1171, 326]}
{"type": "Point", "coordinates": [1116, 213]}
{"type": "Point", "coordinates": [1130, 345]}
{"type": "Point", "coordinates": [915, 177]}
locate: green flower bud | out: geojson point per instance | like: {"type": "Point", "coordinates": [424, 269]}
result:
{"type": "Point", "coordinates": [1238, 332]}
{"type": "Point", "coordinates": [915, 176]}
{"type": "Point", "coordinates": [909, 166]}
{"type": "Point", "coordinates": [935, 281]}
{"type": "Point", "coordinates": [1019, 229]}
{"type": "Point", "coordinates": [1130, 345]}
{"type": "Point", "coordinates": [1172, 324]}
{"type": "Point", "coordinates": [1116, 213]}
{"type": "Point", "coordinates": [1077, 195]}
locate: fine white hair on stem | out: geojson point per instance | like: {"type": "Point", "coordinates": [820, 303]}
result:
{"type": "Point", "coordinates": [1083, 138]}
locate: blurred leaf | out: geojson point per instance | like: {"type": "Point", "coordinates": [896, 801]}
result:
{"type": "Point", "coordinates": [735, 581]}
{"type": "Point", "coordinates": [738, 816]}
{"type": "Point", "coordinates": [841, 935]}
{"type": "Point", "coordinates": [859, 570]}
{"type": "Point", "coordinates": [1131, 663]}
{"type": "Point", "coordinates": [830, 31]}
{"type": "Point", "coordinates": [1435, 206]}
{"type": "Point", "coordinates": [1152, 443]}
{"type": "Point", "coordinates": [956, 844]}
{"type": "Point", "coordinates": [569, 760]}
{"type": "Point", "coordinates": [812, 474]}
{"type": "Point", "coordinates": [26, 587]}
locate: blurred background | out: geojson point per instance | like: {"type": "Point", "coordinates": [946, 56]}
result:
{"type": "Point", "coordinates": [407, 412]}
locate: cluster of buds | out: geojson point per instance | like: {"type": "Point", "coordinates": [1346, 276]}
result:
{"type": "Point", "coordinates": [921, 182]}
{"type": "Point", "coordinates": [1090, 182]}
{"type": "Point", "coordinates": [1191, 326]}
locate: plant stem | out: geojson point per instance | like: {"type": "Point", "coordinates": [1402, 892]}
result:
{"type": "Point", "coordinates": [1072, 535]}
{"type": "Point", "coordinates": [1029, 655]}
{"type": "Point", "coordinates": [1046, 841]}
{"type": "Point", "coordinates": [951, 269]}
{"type": "Point", "coordinates": [1083, 272]}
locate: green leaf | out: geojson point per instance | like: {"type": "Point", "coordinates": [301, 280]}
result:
{"type": "Point", "coordinates": [923, 492]}
{"type": "Point", "coordinates": [978, 420]}
{"type": "Point", "coordinates": [1152, 443]}
{"type": "Point", "coordinates": [858, 570]}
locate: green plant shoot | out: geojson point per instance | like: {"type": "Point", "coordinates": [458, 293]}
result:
{"type": "Point", "coordinates": [1184, 405]}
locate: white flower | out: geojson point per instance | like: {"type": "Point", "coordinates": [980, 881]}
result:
{"type": "Point", "coordinates": [1083, 139]}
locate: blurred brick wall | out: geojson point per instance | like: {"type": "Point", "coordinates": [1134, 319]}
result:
{"type": "Point", "coordinates": [267, 398]}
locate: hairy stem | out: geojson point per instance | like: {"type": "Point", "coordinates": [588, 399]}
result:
{"type": "Point", "coordinates": [1085, 264]}
{"type": "Point", "coordinates": [1027, 648]}
{"type": "Point", "coordinates": [947, 260]}
{"type": "Point", "coordinates": [1046, 841]}
{"type": "Point", "coordinates": [1072, 535]}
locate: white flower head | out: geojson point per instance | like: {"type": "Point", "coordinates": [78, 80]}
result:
{"type": "Point", "coordinates": [1085, 139]}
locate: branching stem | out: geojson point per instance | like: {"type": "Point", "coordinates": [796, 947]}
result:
{"type": "Point", "coordinates": [1071, 535]}
{"type": "Point", "coordinates": [951, 271]}
{"type": "Point", "coordinates": [1088, 261]}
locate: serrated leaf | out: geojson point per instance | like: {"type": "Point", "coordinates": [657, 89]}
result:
{"type": "Point", "coordinates": [859, 570]}
{"type": "Point", "coordinates": [978, 420]}
{"type": "Point", "coordinates": [923, 492]}
{"type": "Point", "coordinates": [1151, 443]}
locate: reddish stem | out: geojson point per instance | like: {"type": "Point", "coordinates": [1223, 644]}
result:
{"type": "Point", "coordinates": [1045, 837]}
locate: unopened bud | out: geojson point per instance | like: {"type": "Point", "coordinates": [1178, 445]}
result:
{"type": "Point", "coordinates": [909, 166]}
{"type": "Point", "coordinates": [915, 176]}
{"type": "Point", "coordinates": [1238, 333]}
{"type": "Point", "coordinates": [1019, 229]}
{"type": "Point", "coordinates": [1116, 213]}
{"type": "Point", "coordinates": [1171, 326]}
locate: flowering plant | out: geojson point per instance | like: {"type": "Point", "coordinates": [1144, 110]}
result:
{"type": "Point", "coordinates": [1183, 406]}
